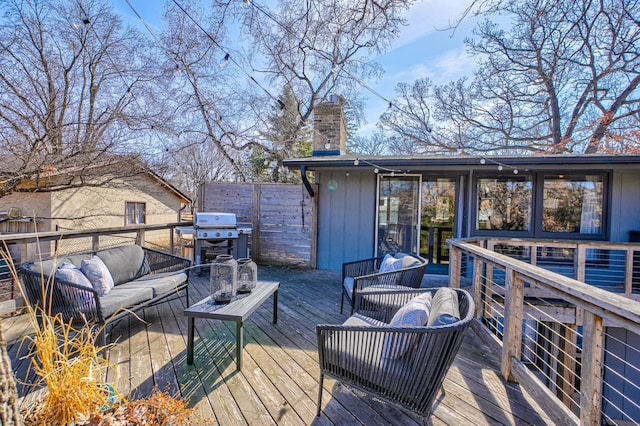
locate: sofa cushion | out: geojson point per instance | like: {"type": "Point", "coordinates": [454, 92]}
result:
{"type": "Point", "coordinates": [444, 308]}
{"type": "Point", "coordinates": [98, 274]}
{"type": "Point", "coordinates": [49, 266]}
{"type": "Point", "coordinates": [162, 283]}
{"type": "Point", "coordinates": [68, 272]}
{"type": "Point", "coordinates": [125, 263]}
{"type": "Point", "coordinates": [124, 296]}
{"type": "Point", "coordinates": [414, 313]}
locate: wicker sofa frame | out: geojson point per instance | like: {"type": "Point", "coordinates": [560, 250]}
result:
{"type": "Point", "coordinates": [365, 273]}
{"type": "Point", "coordinates": [351, 354]}
{"type": "Point", "coordinates": [47, 294]}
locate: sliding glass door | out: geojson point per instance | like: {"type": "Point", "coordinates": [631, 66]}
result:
{"type": "Point", "coordinates": [398, 213]}
{"type": "Point", "coordinates": [437, 221]}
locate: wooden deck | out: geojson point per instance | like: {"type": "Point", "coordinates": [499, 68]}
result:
{"type": "Point", "coordinates": [278, 383]}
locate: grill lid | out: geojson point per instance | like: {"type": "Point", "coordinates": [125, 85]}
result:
{"type": "Point", "coordinates": [215, 220]}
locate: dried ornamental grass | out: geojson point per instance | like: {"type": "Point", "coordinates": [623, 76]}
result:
{"type": "Point", "coordinates": [67, 360]}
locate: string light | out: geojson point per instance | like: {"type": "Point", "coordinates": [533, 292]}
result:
{"type": "Point", "coordinates": [500, 165]}
{"type": "Point", "coordinates": [225, 60]}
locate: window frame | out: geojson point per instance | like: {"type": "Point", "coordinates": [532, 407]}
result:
{"type": "Point", "coordinates": [603, 235]}
{"type": "Point", "coordinates": [537, 207]}
{"type": "Point", "coordinates": [136, 206]}
{"type": "Point", "coordinates": [497, 232]}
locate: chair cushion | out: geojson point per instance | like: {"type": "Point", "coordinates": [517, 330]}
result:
{"type": "Point", "coordinates": [69, 273]}
{"type": "Point", "coordinates": [444, 308]}
{"type": "Point", "coordinates": [414, 313]}
{"type": "Point", "coordinates": [406, 260]}
{"type": "Point", "coordinates": [125, 263]}
{"type": "Point", "coordinates": [162, 283]}
{"type": "Point", "coordinates": [348, 286]}
{"type": "Point", "coordinates": [98, 274]}
{"type": "Point", "coordinates": [390, 263]}
{"type": "Point", "coordinates": [124, 296]}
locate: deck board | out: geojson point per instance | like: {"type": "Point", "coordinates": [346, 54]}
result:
{"type": "Point", "coordinates": [279, 380]}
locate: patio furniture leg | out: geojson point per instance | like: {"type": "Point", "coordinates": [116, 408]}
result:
{"type": "Point", "coordinates": [190, 333]}
{"type": "Point", "coordinates": [239, 344]}
{"type": "Point", "coordinates": [342, 302]}
{"type": "Point", "coordinates": [275, 307]}
{"type": "Point", "coordinates": [320, 395]}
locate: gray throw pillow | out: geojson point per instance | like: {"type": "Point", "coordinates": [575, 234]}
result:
{"type": "Point", "coordinates": [444, 308]}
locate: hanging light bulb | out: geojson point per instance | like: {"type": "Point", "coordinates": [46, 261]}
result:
{"type": "Point", "coordinates": [224, 60]}
{"type": "Point", "coordinates": [280, 108]}
{"type": "Point", "coordinates": [393, 174]}
{"type": "Point", "coordinates": [500, 167]}
{"type": "Point", "coordinates": [483, 161]}
{"type": "Point", "coordinates": [327, 145]}
{"type": "Point", "coordinates": [376, 170]}
{"type": "Point", "coordinates": [356, 162]}
{"type": "Point", "coordinates": [515, 171]}
{"type": "Point", "coordinates": [245, 3]}
{"type": "Point", "coordinates": [335, 68]}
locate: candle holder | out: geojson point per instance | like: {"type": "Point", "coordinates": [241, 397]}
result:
{"type": "Point", "coordinates": [223, 278]}
{"type": "Point", "coordinates": [247, 275]}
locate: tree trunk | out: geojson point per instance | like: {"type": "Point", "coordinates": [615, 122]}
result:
{"type": "Point", "coordinates": [9, 413]}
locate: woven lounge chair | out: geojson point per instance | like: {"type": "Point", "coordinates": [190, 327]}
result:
{"type": "Point", "coordinates": [357, 351]}
{"type": "Point", "coordinates": [359, 275]}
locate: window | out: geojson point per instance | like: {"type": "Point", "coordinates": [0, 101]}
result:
{"type": "Point", "coordinates": [504, 203]}
{"type": "Point", "coordinates": [573, 204]}
{"type": "Point", "coordinates": [135, 213]}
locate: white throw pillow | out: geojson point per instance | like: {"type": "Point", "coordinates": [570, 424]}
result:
{"type": "Point", "coordinates": [69, 273]}
{"type": "Point", "coordinates": [98, 274]}
{"type": "Point", "coordinates": [414, 313]}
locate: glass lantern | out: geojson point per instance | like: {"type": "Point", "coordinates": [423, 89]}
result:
{"type": "Point", "coordinates": [223, 278]}
{"type": "Point", "coordinates": [247, 275]}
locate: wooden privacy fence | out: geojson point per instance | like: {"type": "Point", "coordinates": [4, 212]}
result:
{"type": "Point", "coordinates": [282, 217]}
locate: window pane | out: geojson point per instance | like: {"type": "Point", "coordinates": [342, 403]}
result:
{"type": "Point", "coordinates": [398, 214]}
{"type": "Point", "coordinates": [130, 213]}
{"type": "Point", "coordinates": [140, 213]}
{"type": "Point", "coordinates": [573, 204]}
{"type": "Point", "coordinates": [504, 203]}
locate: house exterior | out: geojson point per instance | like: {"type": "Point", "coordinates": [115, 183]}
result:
{"type": "Point", "coordinates": [140, 198]}
{"type": "Point", "coordinates": [370, 205]}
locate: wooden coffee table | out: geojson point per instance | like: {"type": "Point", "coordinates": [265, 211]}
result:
{"type": "Point", "coordinates": [238, 310]}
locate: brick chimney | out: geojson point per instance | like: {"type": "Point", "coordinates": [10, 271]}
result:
{"type": "Point", "coordinates": [330, 133]}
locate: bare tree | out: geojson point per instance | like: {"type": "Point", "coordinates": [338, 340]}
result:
{"type": "Point", "coordinates": [323, 47]}
{"type": "Point", "coordinates": [374, 144]}
{"type": "Point", "coordinates": [564, 78]}
{"type": "Point", "coordinates": [70, 72]}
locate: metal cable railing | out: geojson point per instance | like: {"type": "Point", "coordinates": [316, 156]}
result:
{"type": "Point", "coordinates": [578, 342]}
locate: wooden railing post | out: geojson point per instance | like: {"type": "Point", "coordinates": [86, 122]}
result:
{"type": "Point", "coordinates": [512, 337]}
{"type": "Point", "coordinates": [140, 237]}
{"type": "Point", "coordinates": [95, 242]}
{"type": "Point", "coordinates": [628, 271]}
{"type": "Point", "coordinates": [455, 266]}
{"type": "Point", "coordinates": [580, 261]}
{"type": "Point", "coordinates": [477, 286]}
{"type": "Point", "coordinates": [591, 373]}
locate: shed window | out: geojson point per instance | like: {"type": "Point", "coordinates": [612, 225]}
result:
{"type": "Point", "coordinates": [504, 203]}
{"type": "Point", "coordinates": [135, 213]}
{"type": "Point", "coordinates": [573, 204]}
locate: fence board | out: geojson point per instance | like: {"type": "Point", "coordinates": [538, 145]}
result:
{"type": "Point", "coordinates": [282, 216]}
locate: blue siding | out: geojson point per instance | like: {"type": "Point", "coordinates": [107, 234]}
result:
{"type": "Point", "coordinates": [625, 203]}
{"type": "Point", "coordinates": [346, 217]}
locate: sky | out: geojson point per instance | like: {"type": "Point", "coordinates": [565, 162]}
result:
{"type": "Point", "coordinates": [425, 48]}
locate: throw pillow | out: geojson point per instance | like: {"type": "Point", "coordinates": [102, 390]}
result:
{"type": "Point", "coordinates": [389, 263]}
{"type": "Point", "coordinates": [98, 274]}
{"type": "Point", "coordinates": [445, 309]}
{"type": "Point", "coordinates": [69, 273]}
{"type": "Point", "coordinates": [414, 313]}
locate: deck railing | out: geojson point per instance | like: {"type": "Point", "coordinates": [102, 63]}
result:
{"type": "Point", "coordinates": [574, 342]}
{"type": "Point", "coordinates": [24, 247]}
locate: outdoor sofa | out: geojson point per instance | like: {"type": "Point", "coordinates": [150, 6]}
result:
{"type": "Point", "coordinates": [139, 277]}
{"type": "Point", "coordinates": [399, 269]}
{"type": "Point", "coordinates": [403, 356]}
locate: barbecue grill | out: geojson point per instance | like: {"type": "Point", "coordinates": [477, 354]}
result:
{"type": "Point", "coordinates": [214, 230]}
